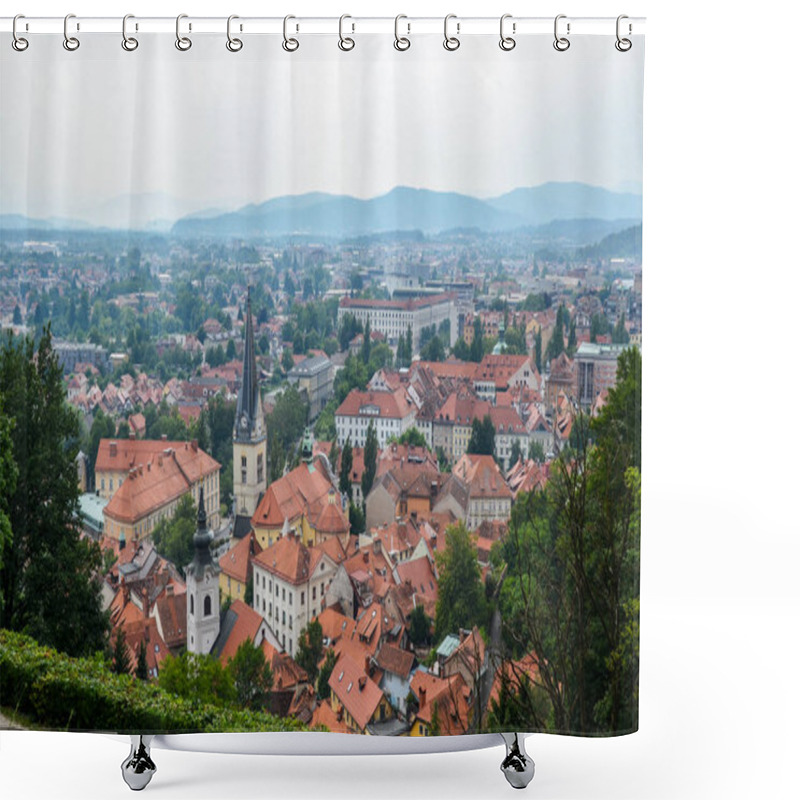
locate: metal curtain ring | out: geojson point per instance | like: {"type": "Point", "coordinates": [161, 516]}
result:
{"type": "Point", "coordinates": [233, 44]}
{"type": "Point", "coordinates": [346, 43]}
{"type": "Point", "coordinates": [401, 42]}
{"type": "Point", "coordinates": [623, 44]}
{"type": "Point", "coordinates": [183, 43]}
{"type": "Point", "coordinates": [19, 43]}
{"type": "Point", "coordinates": [129, 43]}
{"type": "Point", "coordinates": [290, 44]}
{"type": "Point", "coordinates": [506, 42]}
{"type": "Point", "coordinates": [71, 43]}
{"type": "Point", "coordinates": [561, 43]}
{"type": "Point", "coordinates": [451, 42]}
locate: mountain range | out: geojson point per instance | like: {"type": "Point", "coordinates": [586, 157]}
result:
{"type": "Point", "coordinates": [317, 213]}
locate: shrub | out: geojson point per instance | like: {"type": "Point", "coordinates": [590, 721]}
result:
{"type": "Point", "coordinates": [83, 694]}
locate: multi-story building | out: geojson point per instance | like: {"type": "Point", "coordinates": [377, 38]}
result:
{"type": "Point", "coordinates": [452, 425]}
{"type": "Point", "coordinates": [391, 413]}
{"type": "Point", "coordinates": [236, 567]}
{"type": "Point", "coordinates": [146, 478]}
{"type": "Point", "coordinates": [489, 495]}
{"type": "Point", "coordinates": [508, 428]}
{"type": "Point", "coordinates": [70, 354]}
{"type": "Point", "coordinates": [290, 580]}
{"type": "Point", "coordinates": [313, 377]}
{"type": "Point", "coordinates": [394, 317]}
{"type": "Point", "coordinates": [596, 370]}
{"type": "Point", "coordinates": [304, 502]}
{"type": "Point", "coordinates": [499, 372]}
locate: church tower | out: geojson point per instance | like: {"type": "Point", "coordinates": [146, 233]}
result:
{"type": "Point", "coordinates": [249, 435]}
{"type": "Point", "coordinates": [202, 590]}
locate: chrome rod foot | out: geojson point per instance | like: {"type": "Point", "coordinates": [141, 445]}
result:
{"type": "Point", "coordinates": [517, 766]}
{"type": "Point", "coordinates": [138, 768]}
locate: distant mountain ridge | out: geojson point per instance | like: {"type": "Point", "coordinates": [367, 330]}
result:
{"type": "Point", "coordinates": [404, 209]}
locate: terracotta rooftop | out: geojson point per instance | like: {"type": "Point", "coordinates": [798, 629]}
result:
{"type": "Point", "coordinates": [392, 659]}
{"type": "Point", "coordinates": [387, 405]}
{"type": "Point", "coordinates": [237, 562]}
{"type": "Point", "coordinates": [246, 625]}
{"type": "Point", "coordinates": [171, 618]}
{"type": "Point", "coordinates": [449, 696]}
{"type": "Point", "coordinates": [325, 715]}
{"type": "Point", "coordinates": [403, 305]}
{"type": "Point", "coordinates": [482, 476]}
{"type": "Point", "coordinates": [293, 561]}
{"type": "Point", "coordinates": [356, 692]}
{"type": "Point", "coordinates": [305, 491]}
{"type": "Point", "coordinates": [121, 455]}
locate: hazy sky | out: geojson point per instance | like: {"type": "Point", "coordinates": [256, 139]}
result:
{"type": "Point", "coordinates": [219, 129]}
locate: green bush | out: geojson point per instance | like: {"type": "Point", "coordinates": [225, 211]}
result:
{"type": "Point", "coordinates": [66, 693]}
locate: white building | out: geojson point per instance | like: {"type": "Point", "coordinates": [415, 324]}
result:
{"type": "Point", "coordinates": [393, 317]}
{"type": "Point", "coordinates": [390, 412]}
{"type": "Point", "coordinates": [290, 581]}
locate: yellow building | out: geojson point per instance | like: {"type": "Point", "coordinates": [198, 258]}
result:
{"type": "Point", "coordinates": [304, 501]}
{"type": "Point", "coordinates": [360, 701]}
{"type": "Point", "coordinates": [237, 567]}
{"type": "Point", "coordinates": [146, 480]}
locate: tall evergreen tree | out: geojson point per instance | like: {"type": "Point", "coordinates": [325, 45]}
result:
{"type": "Point", "coordinates": [366, 348]}
{"type": "Point", "coordinates": [120, 658]}
{"type": "Point", "coordinates": [50, 583]}
{"type": "Point", "coordinates": [309, 649]}
{"type": "Point", "coordinates": [345, 486]}
{"type": "Point", "coordinates": [370, 460]}
{"type": "Point", "coordinates": [141, 661]}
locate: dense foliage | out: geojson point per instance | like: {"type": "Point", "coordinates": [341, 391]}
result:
{"type": "Point", "coordinates": [50, 587]}
{"type": "Point", "coordinates": [76, 694]}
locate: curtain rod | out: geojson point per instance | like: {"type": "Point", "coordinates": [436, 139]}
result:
{"type": "Point", "coordinates": [462, 26]}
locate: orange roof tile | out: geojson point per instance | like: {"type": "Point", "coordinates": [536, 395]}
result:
{"type": "Point", "coordinates": [237, 562]}
{"type": "Point", "coordinates": [325, 715]}
{"type": "Point", "coordinates": [248, 622]}
{"type": "Point", "coordinates": [356, 692]}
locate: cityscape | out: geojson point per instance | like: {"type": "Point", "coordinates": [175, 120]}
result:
{"type": "Point", "coordinates": [258, 475]}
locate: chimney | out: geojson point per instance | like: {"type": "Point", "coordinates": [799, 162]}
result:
{"type": "Point", "coordinates": [112, 449]}
{"type": "Point", "coordinates": [163, 437]}
{"type": "Point", "coordinates": [170, 590]}
{"type": "Point", "coordinates": [194, 445]}
{"type": "Point", "coordinates": [422, 695]}
{"type": "Point", "coordinates": [362, 682]}
{"type": "Point", "coordinates": [131, 435]}
{"type": "Point", "coordinates": [366, 557]}
{"type": "Point", "coordinates": [366, 666]}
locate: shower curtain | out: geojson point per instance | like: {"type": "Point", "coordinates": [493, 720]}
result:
{"type": "Point", "coordinates": [321, 379]}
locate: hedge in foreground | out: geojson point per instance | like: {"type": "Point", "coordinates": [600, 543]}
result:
{"type": "Point", "coordinates": [66, 693]}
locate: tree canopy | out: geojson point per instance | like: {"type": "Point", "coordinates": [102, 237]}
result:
{"type": "Point", "coordinates": [45, 561]}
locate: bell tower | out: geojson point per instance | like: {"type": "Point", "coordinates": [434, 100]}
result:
{"type": "Point", "coordinates": [202, 590]}
{"type": "Point", "coordinates": [249, 433]}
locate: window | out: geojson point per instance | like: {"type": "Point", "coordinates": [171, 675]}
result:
{"type": "Point", "coordinates": [291, 596]}
{"type": "Point", "coordinates": [313, 592]}
{"type": "Point", "coordinates": [260, 467]}
{"type": "Point", "coordinates": [207, 606]}
{"type": "Point", "coordinates": [302, 598]}
{"type": "Point", "coordinates": [191, 605]}
{"type": "Point", "coordinates": [283, 594]}
{"type": "Point", "coordinates": [244, 469]}
{"type": "Point", "coordinates": [283, 618]}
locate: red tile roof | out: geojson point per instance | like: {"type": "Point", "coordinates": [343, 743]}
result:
{"type": "Point", "coordinates": [248, 623]}
{"type": "Point", "coordinates": [405, 305]}
{"type": "Point", "coordinates": [325, 715]}
{"type": "Point", "coordinates": [393, 659]}
{"type": "Point", "coordinates": [450, 697]}
{"type": "Point", "coordinates": [356, 692]}
{"type": "Point", "coordinates": [237, 562]}
{"type": "Point", "coordinates": [305, 491]}
{"type": "Point", "coordinates": [482, 476]}
{"type": "Point", "coordinates": [389, 405]}
{"type": "Point", "coordinates": [421, 577]}
{"type": "Point", "coordinates": [171, 614]}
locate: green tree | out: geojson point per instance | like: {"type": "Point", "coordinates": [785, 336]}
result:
{"type": "Point", "coordinates": [230, 350]}
{"type": "Point", "coordinates": [141, 661]}
{"type": "Point", "coordinates": [481, 440]}
{"type": "Point", "coordinates": [366, 348]}
{"type": "Point", "coordinates": [461, 600]}
{"type": "Point", "coordinates": [309, 649]}
{"type": "Point", "coordinates": [516, 452]}
{"type": "Point", "coordinates": [571, 593]}
{"type": "Point", "coordinates": [433, 350]}
{"type": "Point", "coordinates": [17, 319]}
{"type": "Point", "coordinates": [412, 436]}
{"type": "Point", "coordinates": [419, 627]}
{"type": "Point", "coordinates": [46, 560]}
{"type": "Point", "coordinates": [537, 349]}
{"type": "Point", "coordinates": [370, 460]}
{"type": "Point", "coordinates": [287, 362]}
{"type": "Point", "coordinates": [172, 537]}
{"type": "Point", "coordinates": [120, 657]}
{"type": "Point", "coordinates": [476, 350]}
{"type": "Point", "coordinates": [288, 419]}
{"type": "Point", "coordinates": [346, 469]}
{"type": "Point", "coordinates": [102, 428]}
{"type": "Point", "coordinates": [252, 676]}
{"type": "Point", "coordinates": [8, 483]}
{"type": "Point", "coordinates": [620, 333]}
{"type": "Point", "coordinates": [325, 672]}
{"type": "Point", "coordinates": [197, 677]}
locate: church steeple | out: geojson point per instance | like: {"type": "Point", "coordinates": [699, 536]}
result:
{"type": "Point", "coordinates": [248, 403]}
{"type": "Point", "coordinates": [249, 436]}
{"type": "Point", "coordinates": [202, 589]}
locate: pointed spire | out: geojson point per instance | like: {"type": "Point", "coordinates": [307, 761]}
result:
{"type": "Point", "coordinates": [201, 512]}
{"type": "Point", "coordinates": [247, 402]}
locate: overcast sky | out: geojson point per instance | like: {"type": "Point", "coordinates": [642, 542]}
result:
{"type": "Point", "coordinates": [216, 129]}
